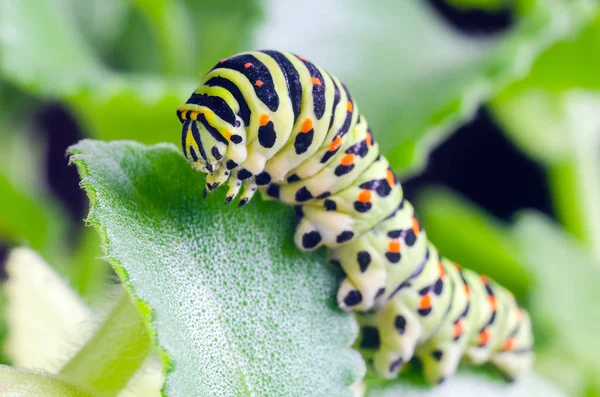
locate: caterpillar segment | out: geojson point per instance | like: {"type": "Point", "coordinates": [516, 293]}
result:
{"type": "Point", "coordinates": [274, 122]}
{"type": "Point", "coordinates": [443, 318]}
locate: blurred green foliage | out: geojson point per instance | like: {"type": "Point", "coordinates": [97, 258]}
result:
{"type": "Point", "coordinates": [121, 67]}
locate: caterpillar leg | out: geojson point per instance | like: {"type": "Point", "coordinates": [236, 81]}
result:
{"type": "Point", "coordinates": [442, 353]}
{"type": "Point", "coordinates": [515, 356]}
{"type": "Point", "coordinates": [215, 180]}
{"type": "Point", "coordinates": [366, 274]}
{"type": "Point", "coordinates": [234, 185]}
{"type": "Point", "coordinates": [513, 364]}
{"type": "Point", "coordinates": [396, 329]}
{"type": "Point", "coordinates": [422, 310]}
{"type": "Point", "coordinates": [318, 227]}
{"type": "Point", "coordinates": [247, 193]}
{"type": "Point", "coordinates": [440, 359]}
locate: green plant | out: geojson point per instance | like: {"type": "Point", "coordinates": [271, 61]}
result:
{"type": "Point", "coordinates": [218, 301]}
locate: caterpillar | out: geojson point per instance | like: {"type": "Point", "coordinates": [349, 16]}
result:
{"type": "Point", "coordinates": [275, 122]}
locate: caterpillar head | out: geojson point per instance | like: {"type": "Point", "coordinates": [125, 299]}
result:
{"type": "Point", "coordinates": [208, 142]}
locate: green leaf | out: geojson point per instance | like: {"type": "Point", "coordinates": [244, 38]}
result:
{"type": "Point", "coordinates": [232, 304]}
{"type": "Point", "coordinates": [413, 77]}
{"type": "Point", "coordinates": [46, 320]}
{"type": "Point", "coordinates": [564, 297]}
{"type": "Point", "coordinates": [571, 63]}
{"type": "Point", "coordinates": [148, 381]}
{"type": "Point", "coordinates": [23, 383]}
{"type": "Point", "coordinates": [467, 235]}
{"type": "Point", "coordinates": [553, 116]}
{"type": "Point", "coordinates": [542, 112]}
{"type": "Point", "coordinates": [115, 352]}
{"type": "Point", "coordinates": [172, 28]}
{"type": "Point", "coordinates": [220, 30]}
{"type": "Point", "coordinates": [45, 52]}
{"type": "Point", "coordinates": [186, 37]}
{"type": "Point", "coordinates": [469, 384]}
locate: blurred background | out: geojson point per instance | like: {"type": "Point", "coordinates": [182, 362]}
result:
{"type": "Point", "coordinates": [489, 110]}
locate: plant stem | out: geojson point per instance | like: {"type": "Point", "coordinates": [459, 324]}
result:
{"type": "Point", "coordinates": [26, 383]}
{"type": "Point", "coordinates": [113, 354]}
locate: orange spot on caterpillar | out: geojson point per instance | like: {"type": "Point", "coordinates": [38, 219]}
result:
{"type": "Point", "coordinates": [348, 159]}
{"type": "Point", "coordinates": [263, 120]}
{"type": "Point", "coordinates": [301, 58]}
{"type": "Point", "coordinates": [459, 267]}
{"type": "Point", "coordinates": [484, 337]}
{"type": "Point", "coordinates": [390, 178]}
{"type": "Point", "coordinates": [227, 134]}
{"type": "Point", "coordinates": [350, 106]}
{"type": "Point", "coordinates": [442, 270]}
{"type": "Point", "coordinates": [316, 81]}
{"type": "Point", "coordinates": [492, 300]}
{"type": "Point", "coordinates": [335, 144]}
{"type": "Point", "coordinates": [222, 60]}
{"type": "Point", "coordinates": [364, 196]}
{"type": "Point", "coordinates": [247, 65]}
{"type": "Point", "coordinates": [458, 329]}
{"type": "Point", "coordinates": [467, 292]}
{"type": "Point", "coordinates": [425, 302]}
{"type": "Point", "coordinates": [306, 126]}
{"type": "Point", "coordinates": [509, 344]}
{"type": "Point", "coordinates": [394, 246]}
{"type": "Point", "coordinates": [258, 83]}
{"type": "Point", "coordinates": [369, 139]}
{"type": "Point", "coordinates": [415, 226]}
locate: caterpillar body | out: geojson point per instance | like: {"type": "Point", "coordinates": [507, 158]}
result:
{"type": "Point", "coordinates": [275, 122]}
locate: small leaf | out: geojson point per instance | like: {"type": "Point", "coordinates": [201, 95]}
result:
{"type": "Point", "coordinates": [46, 319]}
{"type": "Point", "coordinates": [15, 382]}
{"type": "Point", "coordinates": [467, 384]}
{"type": "Point", "coordinates": [233, 305]}
{"type": "Point", "coordinates": [148, 381]}
{"type": "Point", "coordinates": [111, 357]}
{"type": "Point", "coordinates": [47, 322]}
